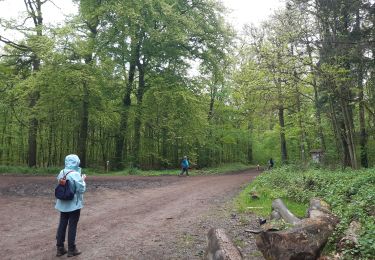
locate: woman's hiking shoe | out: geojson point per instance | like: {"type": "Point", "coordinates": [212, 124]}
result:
{"type": "Point", "coordinates": [73, 252]}
{"type": "Point", "coordinates": [61, 251]}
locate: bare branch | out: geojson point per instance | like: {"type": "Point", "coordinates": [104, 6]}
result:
{"type": "Point", "coordinates": [20, 47]}
{"type": "Point", "coordinates": [31, 11]}
{"type": "Point", "coordinates": [8, 55]}
{"type": "Point", "coordinates": [369, 109]}
{"type": "Point", "coordinates": [52, 2]}
{"type": "Point", "coordinates": [19, 27]}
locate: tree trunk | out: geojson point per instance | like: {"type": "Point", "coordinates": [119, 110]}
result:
{"type": "Point", "coordinates": [164, 148]}
{"type": "Point", "coordinates": [301, 128]}
{"type": "Point", "coordinates": [213, 92]}
{"type": "Point", "coordinates": [284, 155]}
{"type": "Point", "coordinates": [360, 72]}
{"type": "Point", "coordinates": [83, 133]}
{"type": "Point", "coordinates": [362, 126]}
{"type": "Point", "coordinates": [317, 105]}
{"type": "Point", "coordinates": [138, 117]}
{"type": "Point", "coordinates": [33, 130]}
{"type": "Point", "coordinates": [34, 9]}
{"type": "Point", "coordinates": [126, 103]}
{"type": "Point", "coordinates": [339, 140]}
{"type": "Point", "coordinates": [348, 131]}
{"type": "Point", "coordinates": [250, 157]}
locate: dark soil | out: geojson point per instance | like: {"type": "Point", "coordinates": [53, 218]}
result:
{"type": "Point", "coordinates": [129, 217]}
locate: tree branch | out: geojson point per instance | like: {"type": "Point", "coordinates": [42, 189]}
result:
{"type": "Point", "coordinates": [45, 1]}
{"type": "Point", "coordinates": [20, 47]}
{"type": "Point", "coordinates": [31, 11]}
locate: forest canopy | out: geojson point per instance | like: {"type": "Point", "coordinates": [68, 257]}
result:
{"type": "Point", "coordinates": [143, 83]}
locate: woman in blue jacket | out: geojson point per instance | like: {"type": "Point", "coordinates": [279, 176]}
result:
{"type": "Point", "coordinates": [70, 209]}
{"type": "Point", "coordinates": [185, 166]}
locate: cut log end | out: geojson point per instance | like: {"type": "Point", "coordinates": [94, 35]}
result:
{"type": "Point", "coordinates": [220, 247]}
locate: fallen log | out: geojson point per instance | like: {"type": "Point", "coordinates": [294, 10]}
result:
{"type": "Point", "coordinates": [280, 208]}
{"type": "Point", "coordinates": [304, 240]}
{"type": "Point", "coordinates": [350, 240]}
{"type": "Point", "coordinates": [220, 247]}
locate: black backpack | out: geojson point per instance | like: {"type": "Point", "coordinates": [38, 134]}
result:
{"type": "Point", "coordinates": [63, 190]}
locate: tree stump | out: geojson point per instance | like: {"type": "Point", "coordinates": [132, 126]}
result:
{"type": "Point", "coordinates": [304, 240]}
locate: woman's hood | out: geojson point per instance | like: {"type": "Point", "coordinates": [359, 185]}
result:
{"type": "Point", "coordinates": [72, 162]}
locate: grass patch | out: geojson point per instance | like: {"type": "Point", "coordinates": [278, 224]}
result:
{"type": "Point", "coordinates": [262, 206]}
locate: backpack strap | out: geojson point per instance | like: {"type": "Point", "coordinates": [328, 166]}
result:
{"type": "Point", "coordinates": [64, 178]}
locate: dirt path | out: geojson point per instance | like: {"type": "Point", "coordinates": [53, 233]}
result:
{"type": "Point", "coordinates": [124, 217]}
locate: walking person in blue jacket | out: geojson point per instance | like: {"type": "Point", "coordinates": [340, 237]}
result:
{"type": "Point", "coordinates": [70, 209]}
{"type": "Point", "coordinates": [185, 166]}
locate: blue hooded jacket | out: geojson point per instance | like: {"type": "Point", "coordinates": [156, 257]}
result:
{"type": "Point", "coordinates": [185, 163]}
{"type": "Point", "coordinates": [72, 165]}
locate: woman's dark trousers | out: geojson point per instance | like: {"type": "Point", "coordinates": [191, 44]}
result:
{"type": "Point", "coordinates": [71, 219]}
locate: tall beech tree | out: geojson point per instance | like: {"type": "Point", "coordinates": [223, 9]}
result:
{"type": "Point", "coordinates": [152, 36]}
{"type": "Point", "coordinates": [90, 12]}
{"type": "Point", "coordinates": [30, 49]}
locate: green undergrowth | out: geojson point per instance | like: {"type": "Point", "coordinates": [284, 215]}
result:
{"type": "Point", "coordinates": [226, 168]}
{"type": "Point", "coordinates": [21, 170]}
{"type": "Point", "coordinates": [351, 195]}
{"type": "Point", "coordinates": [28, 170]}
{"type": "Point", "coordinates": [234, 167]}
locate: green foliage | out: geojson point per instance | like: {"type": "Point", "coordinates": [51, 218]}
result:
{"type": "Point", "coordinates": [350, 194]}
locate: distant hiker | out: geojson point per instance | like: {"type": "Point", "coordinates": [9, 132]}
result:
{"type": "Point", "coordinates": [70, 209]}
{"type": "Point", "coordinates": [185, 166]}
{"type": "Point", "coordinates": [270, 164]}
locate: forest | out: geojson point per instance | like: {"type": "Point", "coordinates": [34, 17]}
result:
{"type": "Point", "coordinates": [141, 83]}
